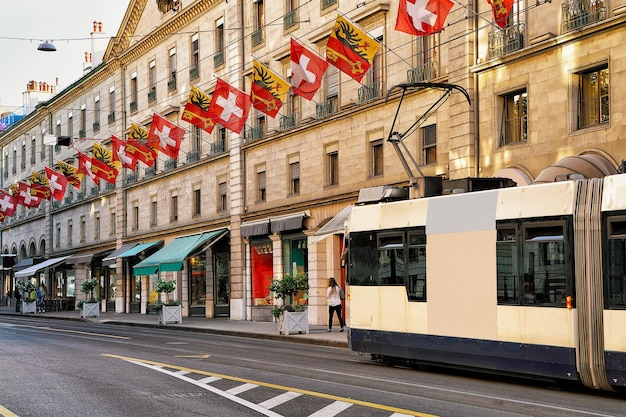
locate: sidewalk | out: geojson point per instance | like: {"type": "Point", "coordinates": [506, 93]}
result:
{"type": "Point", "coordinates": [261, 330]}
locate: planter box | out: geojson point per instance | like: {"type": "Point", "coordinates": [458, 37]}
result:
{"type": "Point", "coordinates": [90, 310]}
{"type": "Point", "coordinates": [171, 314]}
{"type": "Point", "coordinates": [29, 307]}
{"type": "Point", "coordinates": [293, 322]}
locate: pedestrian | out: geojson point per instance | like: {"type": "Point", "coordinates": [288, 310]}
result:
{"type": "Point", "coordinates": [41, 291]}
{"type": "Point", "coordinates": [334, 295]}
{"type": "Point", "coordinates": [18, 298]}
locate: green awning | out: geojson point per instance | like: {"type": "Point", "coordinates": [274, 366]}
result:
{"type": "Point", "coordinates": [173, 256]}
{"type": "Point", "coordinates": [138, 249]}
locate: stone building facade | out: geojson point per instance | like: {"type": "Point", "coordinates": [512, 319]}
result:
{"type": "Point", "coordinates": [543, 90]}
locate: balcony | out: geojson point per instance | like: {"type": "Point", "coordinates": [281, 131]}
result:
{"type": "Point", "coordinates": [80, 196]}
{"type": "Point", "coordinates": [194, 73]}
{"type": "Point", "coordinates": [218, 59]}
{"type": "Point", "coordinates": [67, 200]}
{"type": "Point", "coordinates": [131, 178]}
{"type": "Point", "coordinates": [424, 72]}
{"type": "Point", "coordinates": [170, 164]}
{"type": "Point", "coordinates": [254, 133]}
{"type": "Point", "coordinates": [111, 117]}
{"type": "Point", "coordinates": [288, 122]}
{"type": "Point", "coordinates": [289, 20]}
{"type": "Point", "coordinates": [369, 93]}
{"type": "Point", "coordinates": [109, 187]}
{"type": "Point", "coordinates": [218, 148]}
{"type": "Point", "coordinates": [576, 14]}
{"type": "Point", "coordinates": [506, 40]}
{"type": "Point", "coordinates": [326, 108]}
{"type": "Point", "coordinates": [257, 37]}
{"type": "Point", "coordinates": [81, 133]}
{"type": "Point", "coordinates": [151, 96]}
{"type": "Point", "coordinates": [171, 85]}
{"type": "Point", "coordinates": [327, 3]}
{"type": "Point", "coordinates": [96, 126]}
{"type": "Point", "coordinates": [133, 106]}
{"type": "Point", "coordinates": [149, 172]}
{"type": "Point", "coordinates": [93, 191]}
{"type": "Point", "coordinates": [192, 157]}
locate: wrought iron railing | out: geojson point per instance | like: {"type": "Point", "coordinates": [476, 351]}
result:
{"type": "Point", "coordinates": [288, 122]}
{"type": "Point", "coordinates": [218, 59]}
{"type": "Point", "coordinates": [578, 13]}
{"type": "Point", "coordinates": [506, 40]}
{"type": "Point", "coordinates": [369, 93]}
{"type": "Point", "coordinates": [218, 148]}
{"type": "Point", "coordinates": [289, 20]}
{"type": "Point", "coordinates": [326, 108]}
{"type": "Point", "coordinates": [421, 73]}
{"type": "Point", "coordinates": [192, 157]}
{"type": "Point", "coordinates": [257, 37]}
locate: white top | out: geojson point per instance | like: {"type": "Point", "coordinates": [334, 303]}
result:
{"type": "Point", "coordinates": [332, 294]}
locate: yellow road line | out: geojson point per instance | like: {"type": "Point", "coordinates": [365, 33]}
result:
{"type": "Point", "coordinates": [275, 386]}
{"type": "Point", "coordinates": [6, 413]}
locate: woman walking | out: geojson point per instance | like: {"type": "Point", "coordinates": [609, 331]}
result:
{"type": "Point", "coordinates": [334, 295]}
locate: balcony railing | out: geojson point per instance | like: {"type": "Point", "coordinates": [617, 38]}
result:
{"type": "Point", "coordinates": [288, 122]}
{"type": "Point", "coordinates": [289, 20]}
{"type": "Point", "coordinates": [218, 59]}
{"type": "Point", "coordinates": [171, 85]}
{"type": "Point", "coordinates": [131, 178]}
{"type": "Point", "coordinates": [578, 13]}
{"type": "Point", "coordinates": [111, 117]}
{"type": "Point", "coordinates": [326, 108]}
{"type": "Point", "coordinates": [218, 148]}
{"type": "Point", "coordinates": [253, 134]}
{"type": "Point", "coordinates": [81, 133]}
{"type": "Point", "coordinates": [109, 187]}
{"type": "Point", "coordinates": [96, 126]}
{"type": "Point", "coordinates": [149, 172]}
{"type": "Point", "coordinates": [93, 191]}
{"type": "Point", "coordinates": [506, 40]}
{"type": "Point", "coordinates": [151, 96]}
{"type": "Point", "coordinates": [424, 72]}
{"type": "Point", "coordinates": [192, 157]}
{"type": "Point", "coordinates": [170, 164]}
{"type": "Point", "coordinates": [327, 3]}
{"type": "Point", "coordinates": [369, 93]}
{"type": "Point", "coordinates": [257, 37]}
{"type": "Point", "coordinates": [133, 106]}
{"type": "Point", "coordinates": [194, 73]}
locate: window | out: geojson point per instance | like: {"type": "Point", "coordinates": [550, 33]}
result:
{"type": "Point", "coordinates": [82, 229]}
{"type": "Point", "coordinates": [194, 71]}
{"type": "Point", "coordinates": [426, 59]}
{"type": "Point", "coordinates": [83, 122]}
{"type": "Point", "coordinates": [222, 196]}
{"type": "Point", "coordinates": [373, 79]}
{"type": "Point", "coordinates": [391, 260]}
{"type": "Point", "coordinates": [615, 271]}
{"type": "Point", "coordinates": [174, 208]}
{"type": "Point", "coordinates": [593, 97]}
{"type": "Point", "coordinates": [376, 158]}
{"type": "Point", "coordinates": [58, 132]}
{"type": "Point", "coordinates": [258, 23]}
{"type": "Point", "coordinates": [330, 84]}
{"type": "Point", "coordinates": [135, 222]}
{"type": "Point", "coordinates": [153, 212]}
{"type": "Point", "coordinates": [290, 17]}
{"type": "Point", "coordinates": [429, 144]}
{"type": "Point", "coordinates": [70, 232]}
{"type": "Point", "coordinates": [514, 118]}
{"type": "Point", "coordinates": [218, 58]}
{"type": "Point", "coordinates": [33, 148]}
{"type": "Point", "coordinates": [532, 270]}
{"type": "Point", "coordinates": [261, 187]}
{"type": "Point", "coordinates": [96, 226]}
{"type": "Point", "coordinates": [112, 225]}
{"type": "Point", "coordinates": [294, 177]}
{"type": "Point", "coordinates": [23, 156]}
{"type": "Point", "coordinates": [14, 159]}
{"type": "Point", "coordinates": [416, 283]}
{"type": "Point", "coordinates": [152, 81]}
{"type": "Point", "coordinates": [332, 166]}
{"type": "Point", "coordinates": [171, 83]}
{"type": "Point", "coordinates": [197, 202]}
{"type": "Point", "coordinates": [133, 92]}
{"type": "Point", "coordinates": [70, 126]}
{"type": "Point", "coordinates": [57, 243]}
{"type": "Point", "coordinates": [111, 117]}
{"type": "Point", "coordinates": [96, 114]}
{"type": "Point", "coordinates": [196, 141]}
{"type": "Point", "coordinates": [6, 165]}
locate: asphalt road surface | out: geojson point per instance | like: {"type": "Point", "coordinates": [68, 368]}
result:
{"type": "Point", "coordinates": [67, 368]}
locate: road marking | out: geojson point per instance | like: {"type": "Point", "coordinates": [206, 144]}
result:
{"type": "Point", "coordinates": [6, 413]}
{"type": "Point", "coordinates": [72, 331]}
{"type": "Point", "coordinates": [279, 399]}
{"type": "Point", "coordinates": [193, 356]}
{"type": "Point", "coordinates": [241, 388]}
{"type": "Point", "coordinates": [332, 409]}
{"type": "Point", "coordinates": [155, 365]}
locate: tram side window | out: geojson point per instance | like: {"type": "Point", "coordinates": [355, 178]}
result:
{"type": "Point", "coordinates": [363, 259]}
{"type": "Point", "coordinates": [416, 283]}
{"type": "Point", "coordinates": [391, 261]}
{"type": "Point", "coordinates": [617, 262]}
{"type": "Point", "coordinates": [509, 283]}
{"type": "Point", "coordinates": [545, 269]}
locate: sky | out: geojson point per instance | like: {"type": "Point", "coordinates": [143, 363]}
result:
{"type": "Point", "coordinates": [68, 23]}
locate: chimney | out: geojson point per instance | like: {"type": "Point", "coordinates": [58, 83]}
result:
{"type": "Point", "coordinates": [95, 26]}
{"type": "Point", "coordinates": [100, 27]}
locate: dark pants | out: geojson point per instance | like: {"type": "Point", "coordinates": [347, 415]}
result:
{"type": "Point", "coordinates": [331, 310]}
{"type": "Point", "coordinates": [17, 304]}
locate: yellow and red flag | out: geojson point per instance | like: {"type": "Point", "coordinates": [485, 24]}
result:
{"type": "Point", "coordinates": [350, 49]}
{"type": "Point", "coordinates": [71, 173]}
{"type": "Point", "coordinates": [268, 89]}
{"type": "Point", "coordinates": [39, 186]}
{"type": "Point", "coordinates": [102, 163]}
{"type": "Point", "coordinates": [197, 110]}
{"type": "Point", "coordinates": [137, 147]}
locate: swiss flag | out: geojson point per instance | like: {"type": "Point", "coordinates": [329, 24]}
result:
{"type": "Point", "coordinates": [57, 182]}
{"type": "Point", "coordinates": [422, 17]}
{"type": "Point", "coordinates": [230, 106]}
{"type": "Point", "coordinates": [127, 160]}
{"type": "Point", "coordinates": [25, 198]}
{"type": "Point", "coordinates": [165, 136]}
{"type": "Point", "coordinates": [307, 70]}
{"type": "Point", "coordinates": [84, 166]}
{"type": "Point", "coordinates": [8, 204]}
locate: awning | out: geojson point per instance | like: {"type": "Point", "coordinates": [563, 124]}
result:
{"type": "Point", "coordinates": [45, 264]}
{"type": "Point", "coordinates": [336, 225]}
{"type": "Point", "coordinates": [288, 222]}
{"type": "Point", "coordinates": [139, 248]}
{"type": "Point", "coordinates": [8, 261]}
{"type": "Point", "coordinates": [112, 257]}
{"type": "Point", "coordinates": [25, 263]}
{"type": "Point", "coordinates": [172, 256]}
{"type": "Point", "coordinates": [86, 258]}
{"type": "Point", "coordinates": [255, 228]}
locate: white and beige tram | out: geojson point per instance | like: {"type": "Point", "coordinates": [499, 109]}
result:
{"type": "Point", "coordinates": [527, 280]}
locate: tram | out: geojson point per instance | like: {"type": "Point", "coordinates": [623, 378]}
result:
{"type": "Point", "coordinates": [522, 280]}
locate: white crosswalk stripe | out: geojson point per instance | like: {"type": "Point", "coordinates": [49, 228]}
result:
{"type": "Point", "coordinates": [209, 379]}
{"type": "Point", "coordinates": [279, 399]}
{"type": "Point", "coordinates": [331, 409]}
{"type": "Point", "coordinates": [241, 388]}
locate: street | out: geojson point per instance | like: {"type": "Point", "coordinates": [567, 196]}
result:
{"type": "Point", "coordinates": [73, 368]}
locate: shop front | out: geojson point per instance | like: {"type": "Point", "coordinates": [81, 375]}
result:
{"type": "Point", "coordinates": [130, 295]}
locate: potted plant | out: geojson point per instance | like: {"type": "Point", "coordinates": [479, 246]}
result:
{"type": "Point", "coordinates": [291, 316]}
{"type": "Point", "coordinates": [168, 311]}
{"type": "Point", "coordinates": [90, 307]}
{"type": "Point", "coordinates": [29, 301]}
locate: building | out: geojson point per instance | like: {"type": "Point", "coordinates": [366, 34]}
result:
{"type": "Point", "coordinates": [233, 210]}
